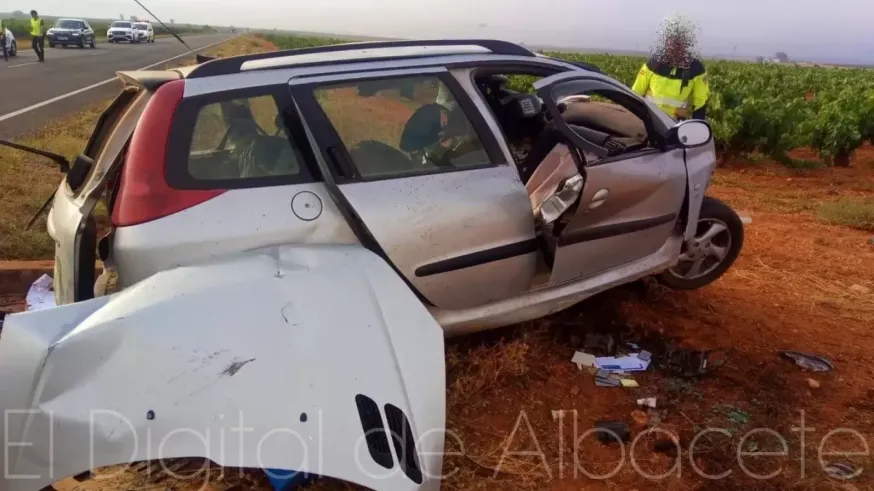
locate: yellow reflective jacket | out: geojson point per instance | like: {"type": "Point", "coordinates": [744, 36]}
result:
{"type": "Point", "coordinates": [36, 26]}
{"type": "Point", "coordinates": [677, 91]}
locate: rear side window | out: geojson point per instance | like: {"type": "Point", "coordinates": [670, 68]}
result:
{"type": "Point", "coordinates": [237, 139]}
{"type": "Point", "coordinates": [398, 127]}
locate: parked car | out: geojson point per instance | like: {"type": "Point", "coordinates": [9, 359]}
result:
{"type": "Point", "coordinates": [121, 31]}
{"type": "Point", "coordinates": [144, 32]}
{"type": "Point", "coordinates": [11, 43]}
{"type": "Point", "coordinates": [71, 32]}
{"type": "Point", "coordinates": [318, 219]}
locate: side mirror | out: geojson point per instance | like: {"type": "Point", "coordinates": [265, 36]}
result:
{"type": "Point", "coordinates": [693, 133]}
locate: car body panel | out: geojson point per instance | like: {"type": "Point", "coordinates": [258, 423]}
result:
{"type": "Point", "coordinates": [627, 211]}
{"type": "Point", "coordinates": [178, 366]}
{"type": "Point", "coordinates": [700, 162]}
{"type": "Point", "coordinates": [11, 43]}
{"type": "Point", "coordinates": [445, 218]}
{"type": "Point", "coordinates": [225, 225]}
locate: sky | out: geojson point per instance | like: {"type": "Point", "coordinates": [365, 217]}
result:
{"type": "Point", "coordinates": [838, 30]}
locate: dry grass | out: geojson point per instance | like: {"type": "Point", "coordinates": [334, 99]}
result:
{"type": "Point", "coordinates": [28, 180]}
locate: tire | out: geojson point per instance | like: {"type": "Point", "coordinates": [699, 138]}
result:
{"type": "Point", "coordinates": [51, 45]}
{"type": "Point", "coordinates": [93, 43]}
{"type": "Point", "coordinates": [13, 50]}
{"type": "Point", "coordinates": [715, 215]}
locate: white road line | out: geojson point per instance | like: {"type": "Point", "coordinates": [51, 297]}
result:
{"type": "Point", "coordinates": [98, 84]}
{"type": "Point", "coordinates": [98, 53]}
{"type": "Point", "coordinates": [23, 64]}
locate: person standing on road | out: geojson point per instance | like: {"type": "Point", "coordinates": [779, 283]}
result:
{"type": "Point", "coordinates": [674, 78]}
{"type": "Point", "coordinates": [3, 40]}
{"type": "Point", "coordinates": [38, 35]}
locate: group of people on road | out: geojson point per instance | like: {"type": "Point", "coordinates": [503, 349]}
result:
{"type": "Point", "coordinates": [37, 36]}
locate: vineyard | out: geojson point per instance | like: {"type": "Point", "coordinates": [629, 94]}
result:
{"type": "Point", "coordinates": [766, 108]}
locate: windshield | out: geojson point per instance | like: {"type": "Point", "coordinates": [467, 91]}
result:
{"type": "Point", "coordinates": [69, 24]}
{"type": "Point", "coordinates": [142, 27]}
{"type": "Point", "coordinates": [123, 25]}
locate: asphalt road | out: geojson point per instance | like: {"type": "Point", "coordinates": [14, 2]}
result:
{"type": "Point", "coordinates": [33, 93]}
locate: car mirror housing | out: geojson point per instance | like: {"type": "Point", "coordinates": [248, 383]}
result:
{"type": "Point", "coordinates": [692, 133]}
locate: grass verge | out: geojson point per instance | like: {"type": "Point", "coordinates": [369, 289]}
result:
{"type": "Point", "coordinates": [855, 213]}
{"type": "Point", "coordinates": [27, 179]}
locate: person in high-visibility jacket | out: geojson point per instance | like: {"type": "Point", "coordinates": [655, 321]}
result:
{"type": "Point", "coordinates": [673, 78]}
{"type": "Point", "coordinates": [38, 35]}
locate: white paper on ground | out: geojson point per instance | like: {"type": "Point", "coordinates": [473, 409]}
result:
{"type": "Point", "coordinates": [582, 359]}
{"type": "Point", "coordinates": [630, 363]}
{"type": "Point", "coordinates": [41, 296]}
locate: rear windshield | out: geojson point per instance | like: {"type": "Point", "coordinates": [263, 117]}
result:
{"type": "Point", "coordinates": [69, 24]}
{"type": "Point", "coordinates": [141, 27]}
{"type": "Point", "coordinates": [125, 25]}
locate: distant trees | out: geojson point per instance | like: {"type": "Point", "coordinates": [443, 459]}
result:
{"type": "Point", "coordinates": [783, 57]}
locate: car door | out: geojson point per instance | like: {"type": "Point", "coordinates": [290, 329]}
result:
{"type": "Point", "coordinates": [426, 181]}
{"type": "Point", "coordinates": [89, 33]}
{"type": "Point", "coordinates": [634, 184]}
{"type": "Point", "coordinates": [70, 222]}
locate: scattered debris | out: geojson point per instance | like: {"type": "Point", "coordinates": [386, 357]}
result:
{"type": "Point", "coordinates": [612, 431]}
{"type": "Point", "coordinates": [813, 384]}
{"type": "Point", "coordinates": [809, 361]}
{"type": "Point", "coordinates": [745, 219]}
{"type": "Point", "coordinates": [860, 289]}
{"type": "Point", "coordinates": [630, 363]}
{"type": "Point", "coordinates": [607, 382]}
{"type": "Point", "coordinates": [629, 382]}
{"type": "Point", "coordinates": [601, 344]}
{"type": "Point", "coordinates": [647, 402]}
{"type": "Point", "coordinates": [738, 416]}
{"type": "Point", "coordinates": [582, 359]}
{"type": "Point", "coordinates": [692, 363]}
{"type": "Point", "coordinates": [871, 240]}
{"type": "Point", "coordinates": [41, 295]}
{"type": "Point", "coordinates": [667, 446]}
{"type": "Point", "coordinates": [842, 470]}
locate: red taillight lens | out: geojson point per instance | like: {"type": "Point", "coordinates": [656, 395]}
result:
{"type": "Point", "coordinates": [143, 193]}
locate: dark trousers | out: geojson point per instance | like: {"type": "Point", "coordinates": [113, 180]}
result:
{"type": "Point", "coordinates": [3, 44]}
{"type": "Point", "coordinates": [39, 46]}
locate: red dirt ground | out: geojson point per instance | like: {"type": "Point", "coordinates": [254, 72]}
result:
{"type": "Point", "coordinates": [799, 284]}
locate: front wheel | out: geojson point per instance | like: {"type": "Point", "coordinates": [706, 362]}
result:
{"type": "Point", "coordinates": [93, 44]}
{"type": "Point", "coordinates": [13, 50]}
{"type": "Point", "coordinates": [704, 258]}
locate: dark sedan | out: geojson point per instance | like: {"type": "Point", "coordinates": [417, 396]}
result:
{"type": "Point", "coordinates": [71, 32]}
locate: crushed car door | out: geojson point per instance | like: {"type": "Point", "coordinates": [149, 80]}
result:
{"type": "Point", "coordinates": [634, 186]}
{"type": "Point", "coordinates": [421, 174]}
{"type": "Point", "coordinates": [70, 221]}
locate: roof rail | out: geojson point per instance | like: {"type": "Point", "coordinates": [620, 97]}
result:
{"type": "Point", "coordinates": [224, 66]}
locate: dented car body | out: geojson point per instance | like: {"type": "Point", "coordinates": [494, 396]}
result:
{"type": "Point", "coordinates": [307, 225]}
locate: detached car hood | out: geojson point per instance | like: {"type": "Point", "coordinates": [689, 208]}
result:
{"type": "Point", "coordinates": [317, 352]}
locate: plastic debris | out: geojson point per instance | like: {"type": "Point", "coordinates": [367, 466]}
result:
{"type": "Point", "coordinates": [41, 295]}
{"type": "Point", "coordinates": [628, 382]}
{"type": "Point", "coordinates": [813, 384]}
{"type": "Point", "coordinates": [630, 363]}
{"type": "Point", "coordinates": [601, 344]}
{"type": "Point", "coordinates": [842, 470]}
{"type": "Point", "coordinates": [746, 219]}
{"type": "Point", "coordinates": [607, 382]}
{"type": "Point", "coordinates": [809, 361]}
{"type": "Point", "coordinates": [582, 359]}
{"type": "Point", "coordinates": [612, 431]}
{"type": "Point", "coordinates": [640, 417]}
{"type": "Point", "coordinates": [651, 402]}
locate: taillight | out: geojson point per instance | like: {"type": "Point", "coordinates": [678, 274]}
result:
{"type": "Point", "coordinates": [143, 193]}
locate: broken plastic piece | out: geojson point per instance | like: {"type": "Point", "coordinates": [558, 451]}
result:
{"type": "Point", "coordinates": [582, 359]}
{"type": "Point", "coordinates": [629, 382]}
{"type": "Point", "coordinates": [647, 402]}
{"type": "Point", "coordinates": [607, 382]}
{"type": "Point", "coordinates": [630, 363]}
{"type": "Point", "coordinates": [842, 470]}
{"type": "Point", "coordinates": [808, 361]}
{"type": "Point", "coordinates": [40, 296]}
{"type": "Point", "coordinates": [645, 355]}
{"type": "Point", "coordinates": [612, 431]}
